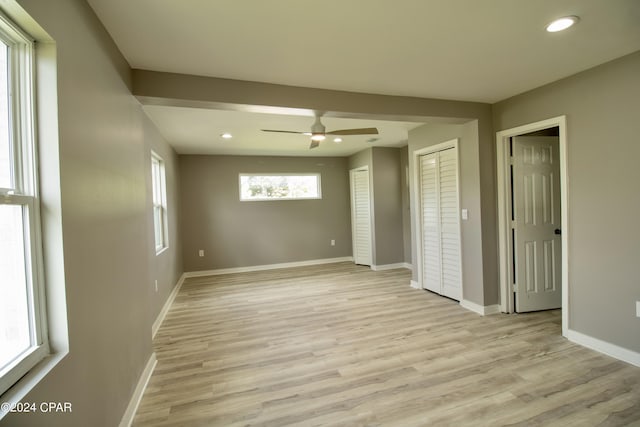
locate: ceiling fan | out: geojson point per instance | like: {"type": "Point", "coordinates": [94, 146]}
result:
{"type": "Point", "coordinates": [318, 132]}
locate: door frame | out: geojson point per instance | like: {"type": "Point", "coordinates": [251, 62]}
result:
{"type": "Point", "coordinates": [505, 246]}
{"type": "Point", "coordinates": [454, 143]}
{"type": "Point", "coordinates": [353, 212]}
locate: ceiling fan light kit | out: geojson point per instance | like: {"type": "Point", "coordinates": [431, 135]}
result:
{"type": "Point", "coordinates": [318, 132]}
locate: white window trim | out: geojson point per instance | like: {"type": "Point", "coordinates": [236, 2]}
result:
{"type": "Point", "coordinates": [162, 206]}
{"type": "Point", "coordinates": [271, 199]}
{"type": "Point", "coordinates": [25, 193]}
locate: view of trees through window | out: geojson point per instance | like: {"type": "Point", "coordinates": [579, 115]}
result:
{"type": "Point", "coordinates": [266, 187]}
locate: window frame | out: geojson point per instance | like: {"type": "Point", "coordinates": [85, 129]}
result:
{"type": "Point", "coordinates": [159, 202]}
{"type": "Point", "coordinates": [268, 199]}
{"type": "Point", "coordinates": [24, 193]}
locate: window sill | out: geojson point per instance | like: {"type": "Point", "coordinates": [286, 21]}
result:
{"type": "Point", "coordinates": [158, 252]}
{"type": "Point", "coordinates": [20, 389]}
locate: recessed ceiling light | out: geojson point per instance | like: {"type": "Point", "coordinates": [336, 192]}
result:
{"type": "Point", "coordinates": [337, 140]}
{"type": "Point", "coordinates": [226, 135]}
{"type": "Point", "coordinates": [562, 23]}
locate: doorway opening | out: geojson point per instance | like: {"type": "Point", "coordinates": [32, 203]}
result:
{"type": "Point", "coordinates": [532, 217]}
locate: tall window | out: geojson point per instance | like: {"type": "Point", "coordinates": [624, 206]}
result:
{"type": "Point", "coordinates": [159, 203]}
{"type": "Point", "coordinates": [23, 333]}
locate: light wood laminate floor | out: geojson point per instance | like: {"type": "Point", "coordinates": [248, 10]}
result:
{"type": "Point", "coordinates": [343, 345]}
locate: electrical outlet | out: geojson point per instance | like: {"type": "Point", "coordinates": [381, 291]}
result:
{"type": "Point", "coordinates": [201, 253]}
{"type": "Point", "coordinates": [156, 285]}
{"type": "Point", "coordinates": [333, 242]}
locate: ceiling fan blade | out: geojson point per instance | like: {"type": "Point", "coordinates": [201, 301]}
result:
{"type": "Point", "coordinates": [362, 131]}
{"type": "Point", "coordinates": [282, 131]}
{"type": "Point", "coordinates": [314, 144]}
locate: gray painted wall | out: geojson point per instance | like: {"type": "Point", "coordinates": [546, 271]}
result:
{"type": "Point", "coordinates": [104, 141]}
{"type": "Point", "coordinates": [361, 158]}
{"type": "Point", "coordinates": [387, 206]}
{"type": "Point", "coordinates": [406, 206]}
{"type": "Point", "coordinates": [602, 108]}
{"type": "Point", "coordinates": [475, 289]}
{"type": "Point", "coordinates": [240, 234]}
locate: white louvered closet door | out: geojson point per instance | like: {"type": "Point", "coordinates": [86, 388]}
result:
{"type": "Point", "coordinates": [361, 216]}
{"type": "Point", "coordinates": [441, 256]}
{"type": "Point", "coordinates": [450, 225]}
{"type": "Point", "coordinates": [430, 223]}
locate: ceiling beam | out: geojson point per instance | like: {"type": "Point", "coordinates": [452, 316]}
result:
{"type": "Point", "coordinates": [171, 89]}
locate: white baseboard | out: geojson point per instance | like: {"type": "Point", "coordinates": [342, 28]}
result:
{"type": "Point", "coordinates": [266, 267]}
{"type": "Point", "coordinates": [483, 310]}
{"type": "Point", "coordinates": [130, 413]}
{"type": "Point", "coordinates": [414, 284]}
{"type": "Point", "coordinates": [609, 349]}
{"type": "Point", "coordinates": [391, 266]}
{"type": "Point", "coordinates": [166, 306]}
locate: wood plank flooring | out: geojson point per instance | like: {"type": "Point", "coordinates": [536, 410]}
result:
{"type": "Point", "coordinates": [341, 345]}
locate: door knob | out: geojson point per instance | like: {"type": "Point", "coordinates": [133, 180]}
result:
{"type": "Point", "coordinates": [557, 231]}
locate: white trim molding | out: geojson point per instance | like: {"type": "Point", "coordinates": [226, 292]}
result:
{"type": "Point", "coordinates": [604, 347]}
{"type": "Point", "coordinates": [482, 310]}
{"type": "Point", "coordinates": [391, 266]}
{"type": "Point", "coordinates": [220, 271]}
{"type": "Point", "coordinates": [167, 305]}
{"type": "Point", "coordinates": [130, 413]}
{"type": "Point", "coordinates": [414, 284]}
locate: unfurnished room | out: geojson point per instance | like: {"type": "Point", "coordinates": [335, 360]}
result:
{"type": "Point", "coordinates": [338, 213]}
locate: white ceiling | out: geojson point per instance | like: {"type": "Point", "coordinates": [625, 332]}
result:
{"type": "Point", "coordinates": [197, 131]}
{"type": "Point", "coordinates": [467, 50]}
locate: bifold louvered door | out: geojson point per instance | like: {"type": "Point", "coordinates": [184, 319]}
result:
{"type": "Point", "coordinates": [441, 259]}
{"type": "Point", "coordinates": [361, 216]}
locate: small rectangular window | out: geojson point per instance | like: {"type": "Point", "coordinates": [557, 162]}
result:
{"type": "Point", "coordinates": [280, 186]}
{"type": "Point", "coordinates": [160, 227]}
{"type": "Point", "coordinates": [23, 331]}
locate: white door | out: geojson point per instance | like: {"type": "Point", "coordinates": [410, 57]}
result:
{"type": "Point", "coordinates": [431, 264]}
{"type": "Point", "coordinates": [536, 215]}
{"type": "Point", "coordinates": [441, 256]}
{"type": "Point", "coordinates": [361, 216]}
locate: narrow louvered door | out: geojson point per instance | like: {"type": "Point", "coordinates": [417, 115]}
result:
{"type": "Point", "coordinates": [361, 216]}
{"type": "Point", "coordinates": [431, 272]}
{"type": "Point", "coordinates": [449, 224]}
{"type": "Point", "coordinates": [440, 223]}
